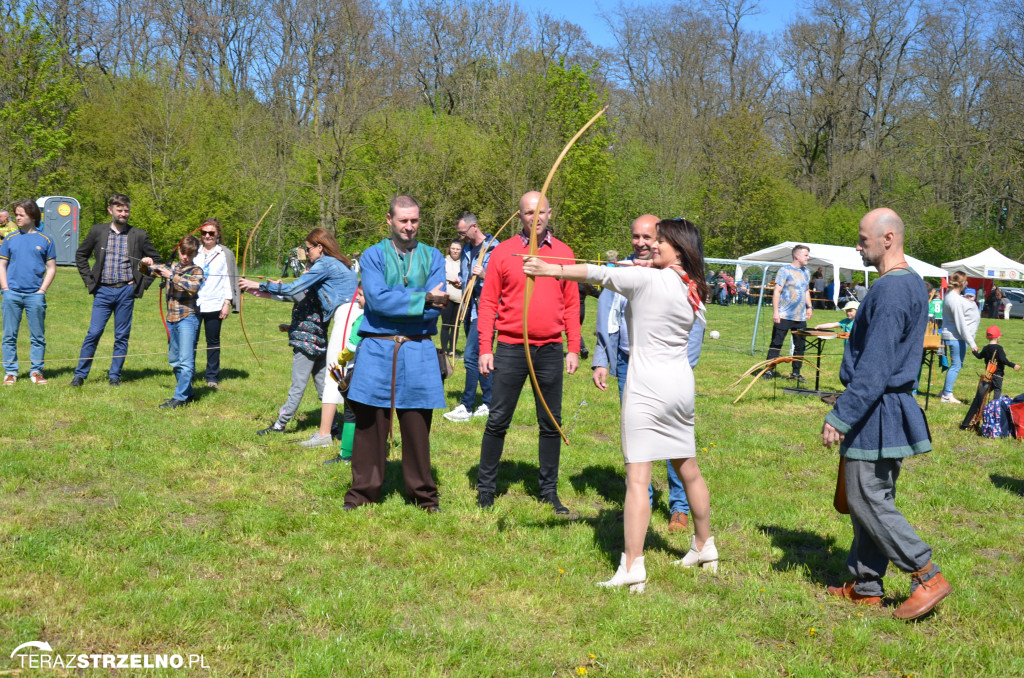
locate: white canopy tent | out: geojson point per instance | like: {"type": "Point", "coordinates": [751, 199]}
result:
{"type": "Point", "coordinates": [836, 257]}
{"type": "Point", "coordinates": [990, 264]}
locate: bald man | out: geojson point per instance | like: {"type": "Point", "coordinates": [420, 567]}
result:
{"type": "Point", "coordinates": [554, 311]}
{"type": "Point", "coordinates": [877, 423]}
{"type": "Point", "coordinates": [611, 355]}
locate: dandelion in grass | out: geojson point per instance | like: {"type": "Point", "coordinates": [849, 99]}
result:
{"type": "Point", "coordinates": [581, 671]}
{"type": "Point", "coordinates": [592, 655]}
{"type": "Point", "coordinates": [812, 632]}
{"type": "Point", "coordinates": [561, 571]}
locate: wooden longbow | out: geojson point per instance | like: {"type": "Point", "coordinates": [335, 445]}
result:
{"type": "Point", "coordinates": [528, 289]}
{"type": "Point", "coordinates": [241, 297]}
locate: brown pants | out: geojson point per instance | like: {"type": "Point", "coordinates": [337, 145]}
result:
{"type": "Point", "coordinates": [370, 451]}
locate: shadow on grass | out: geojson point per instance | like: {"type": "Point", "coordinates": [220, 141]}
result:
{"type": "Point", "coordinates": [128, 375]}
{"type": "Point", "coordinates": [610, 483]}
{"type": "Point", "coordinates": [394, 481]}
{"type": "Point", "coordinates": [1015, 485]}
{"type": "Point", "coordinates": [606, 480]}
{"type": "Point", "coordinates": [817, 556]}
{"type": "Point", "coordinates": [510, 473]}
{"type": "Point", "coordinates": [608, 537]}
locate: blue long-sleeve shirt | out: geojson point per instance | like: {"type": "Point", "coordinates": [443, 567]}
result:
{"type": "Point", "coordinates": [334, 282]}
{"type": "Point", "coordinates": [877, 413]}
{"type": "Point", "coordinates": [397, 310]}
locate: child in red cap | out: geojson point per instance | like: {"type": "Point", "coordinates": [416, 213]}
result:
{"type": "Point", "coordinates": [995, 353]}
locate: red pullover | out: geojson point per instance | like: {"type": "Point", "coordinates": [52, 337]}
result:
{"type": "Point", "coordinates": [554, 306]}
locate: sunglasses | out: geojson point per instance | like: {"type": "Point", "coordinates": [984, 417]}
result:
{"type": "Point", "coordinates": [208, 232]}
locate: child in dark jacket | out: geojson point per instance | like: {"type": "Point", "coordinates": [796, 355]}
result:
{"type": "Point", "coordinates": [993, 352]}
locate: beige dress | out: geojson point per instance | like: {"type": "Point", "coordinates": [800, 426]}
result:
{"type": "Point", "coordinates": [658, 402]}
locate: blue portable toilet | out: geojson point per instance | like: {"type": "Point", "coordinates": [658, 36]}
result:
{"type": "Point", "coordinates": [60, 222]}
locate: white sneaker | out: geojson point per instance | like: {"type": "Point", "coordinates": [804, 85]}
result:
{"type": "Point", "coordinates": [482, 411]}
{"type": "Point", "coordinates": [460, 413]}
{"type": "Point", "coordinates": [950, 399]}
{"type": "Point", "coordinates": [316, 440]}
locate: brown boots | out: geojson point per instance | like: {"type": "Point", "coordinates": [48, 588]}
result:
{"type": "Point", "coordinates": [846, 591]}
{"type": "Point", "coordinates": [925, 597]}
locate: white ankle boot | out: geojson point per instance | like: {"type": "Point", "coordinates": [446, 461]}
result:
{"type": "Point", "coordinates": [707, 557]}
{"type": "Point", "coordinates": [635, 577]}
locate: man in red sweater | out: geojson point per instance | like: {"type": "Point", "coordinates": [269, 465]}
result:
{"type": "Point", "coordinates": [554, 310]}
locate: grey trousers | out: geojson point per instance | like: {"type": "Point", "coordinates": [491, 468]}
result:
{"type": "Point", "coordinates": [302, 367]}
{"type": "Point", "coordinates": [880, 532]}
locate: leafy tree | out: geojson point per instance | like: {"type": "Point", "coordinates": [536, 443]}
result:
{"type": "Point", "coordinates": [37, 95]}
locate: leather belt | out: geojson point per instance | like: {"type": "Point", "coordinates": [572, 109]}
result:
{"type": "Point", "coordinates": [399, 339]}
{"type": "Point", "coordinates": [116, 285]}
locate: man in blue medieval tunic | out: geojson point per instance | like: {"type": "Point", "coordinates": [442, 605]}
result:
{"type": "Point", "coordinates": [396, 366]}
{"type": "Point", "coordinates": [877, 423]}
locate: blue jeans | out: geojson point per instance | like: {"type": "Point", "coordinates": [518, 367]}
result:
{"type": "Point", "coordinates": [116, 301]}
{"type": "Point", "coordinates": [34, 306]}
{"type": "Point", "coordinates": [677, 502]}
{"type": "Point", "coordinates": [956, 351]}
{"type": "Point", "coordinates": [180, 354]}
{"type": "Point", "coordinates": [471, 361]}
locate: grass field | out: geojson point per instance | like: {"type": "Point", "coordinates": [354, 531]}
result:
{"type": "Point", "coordinates": [128, 529]}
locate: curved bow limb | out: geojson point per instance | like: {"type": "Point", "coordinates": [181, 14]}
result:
{"type": "Point", "coordinates": [468, 292]}
{"type": "Point", "coordinates": [241, 297]}
{"type": "Point", "coordinates": [528, 288]}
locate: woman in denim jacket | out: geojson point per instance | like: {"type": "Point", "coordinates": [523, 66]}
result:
{"type": "Point", "coordinates": [334, 282]}
{"type": "Point", "coordinates": [331, 274]}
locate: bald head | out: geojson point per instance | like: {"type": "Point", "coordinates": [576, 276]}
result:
{"type": "Point", "coordinates": [883, 220]}
{"type": "Point", "coordinates": [533, 204]}
{"type": "Point", "coordinates": [880, 239]}
{"type": "Point", "coordinates": [644, 235]}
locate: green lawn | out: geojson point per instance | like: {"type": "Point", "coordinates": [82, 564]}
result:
{"type": "Point", "coordinates": [128, 529]}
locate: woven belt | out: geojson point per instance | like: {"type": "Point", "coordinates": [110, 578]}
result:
{"type": "Point", "coordinates": [399, 339]}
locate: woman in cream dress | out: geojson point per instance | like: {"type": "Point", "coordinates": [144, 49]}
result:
{"type": "Point", "coordinates": [658, 403]}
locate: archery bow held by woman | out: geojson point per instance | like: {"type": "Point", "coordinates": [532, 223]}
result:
{"type": "Point", "coordinates": [658, 403]}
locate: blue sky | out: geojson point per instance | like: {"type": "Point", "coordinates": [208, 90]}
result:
{"type": "Point", "coordinates": [586, 13]}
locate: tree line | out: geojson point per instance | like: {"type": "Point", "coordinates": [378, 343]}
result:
{"type": "Point", "coordinates": [201, 108]}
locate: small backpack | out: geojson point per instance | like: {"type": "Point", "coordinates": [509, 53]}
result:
{"type": "Point", "coordinates": [995, 419]}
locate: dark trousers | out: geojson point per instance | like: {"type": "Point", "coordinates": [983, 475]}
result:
{"type": "Point", "coordinates": [211, 322]}
{"type": "Point", "coordinates": [116, 301]}
{"type": "Point", "coordinates": [370, 452]}
{"type": "Point", "coordinates": [880, 532]}
{"type": "Point", "coordinates": [448, 318]}
{"type": "Point", "coordinates": [510, 374]}
{"type": "Point", "coordinates": [779, 335]}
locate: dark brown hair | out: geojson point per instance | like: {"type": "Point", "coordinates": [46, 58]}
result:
{"type": "Point", "coordinates": [31, 209]}
{"type": "Point", "coordinates": [189, 245]}
{"type": "Point", "coordinates": [686, 240]}
{"type": "Point", "coordinates": [119, 199]}
{"type": "Point", "coordinates": [320, 236]}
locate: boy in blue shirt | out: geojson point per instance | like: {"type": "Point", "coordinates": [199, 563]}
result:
{"type": "Point", "coordinates": [28, 263]}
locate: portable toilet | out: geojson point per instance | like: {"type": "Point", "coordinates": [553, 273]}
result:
{"type": "Point", "coordinates": [60, 222]}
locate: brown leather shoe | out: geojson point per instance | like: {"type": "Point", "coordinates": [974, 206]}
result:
{"type": "Point", "coordinates": [925, 597]}
{"type": "Point", "coordinates": [846, 591]}
{"type": "Point", "coordinates": [679, 522]}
